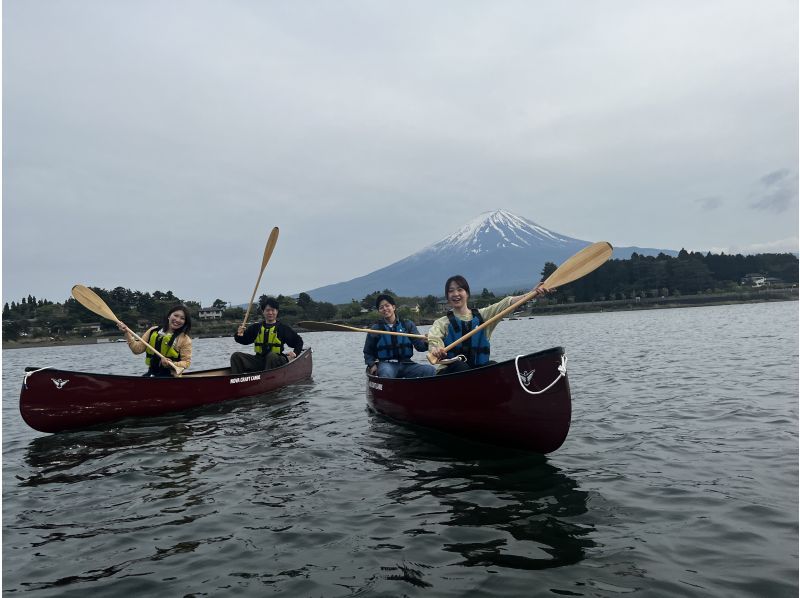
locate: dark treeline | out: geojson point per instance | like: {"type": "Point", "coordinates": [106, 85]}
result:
{"type": "Point", "coordinates": [46, 317]}
{"type": "Point", "coordinates": [688, 273]}
{"type": "Point", "coordinates": [646, 276]}
{"type": "Point", "coordinates": [33, 317]}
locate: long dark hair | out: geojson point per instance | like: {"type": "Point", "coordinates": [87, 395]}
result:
{"type": "Point", "coordinates": [187, 325]}
{"type": "Point", "coordinates": [460, 281]}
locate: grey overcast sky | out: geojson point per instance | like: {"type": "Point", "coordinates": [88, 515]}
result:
{"type": "Point", "coordinates": [153, 144]}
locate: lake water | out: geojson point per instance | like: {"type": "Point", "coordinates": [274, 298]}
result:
{"type": "Point", "coordinates": [679, 477]}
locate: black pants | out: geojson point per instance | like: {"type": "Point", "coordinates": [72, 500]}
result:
{"type": "Point", "coordinates": [249, 362]}
{"type": "Point", "coordinates": [159, 372]}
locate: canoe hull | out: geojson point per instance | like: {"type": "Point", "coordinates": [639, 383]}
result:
{"type": "Point", "coordinates": [53, 400]}
{"type": "Point", "coordinates": [486, 404]}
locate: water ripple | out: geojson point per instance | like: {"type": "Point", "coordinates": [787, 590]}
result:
{"type": "Point", "coordinates": [679, 477]}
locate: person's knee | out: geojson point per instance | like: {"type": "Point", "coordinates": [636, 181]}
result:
{"type": "Point", "coordinates": [386, 370]}
{"type": "Point", "coordinates": [418, 370]}
{"type": "Point", "coordinates": [274, 360]}
{"type": "Point", "coordinates": [426, 370]}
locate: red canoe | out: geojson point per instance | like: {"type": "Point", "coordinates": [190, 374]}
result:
{"type": "Point", "coordinates": [522, 403]}
{"type": "Point", "coordinates": [54, 400]}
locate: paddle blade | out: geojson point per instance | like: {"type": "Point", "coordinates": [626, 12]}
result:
{"type": "Point", "coordinates": [270, 247]}
{"type": "Point", "coordinates": [92, 301]}
{"type": "Point", "coordinates": [582, 263]}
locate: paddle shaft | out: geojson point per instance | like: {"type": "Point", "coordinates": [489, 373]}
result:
{"type": "Point", "coordinates": [389, 333]}
{"type": "Point", "coordinates": [268, 249]}
{"type": "Point", "coordinates": [326, 327]}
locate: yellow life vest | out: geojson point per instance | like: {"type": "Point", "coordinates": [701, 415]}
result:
{"type": "Point", "coordinates": [163, 344]}
{"type": "Point", "coordinates": [273, 343]}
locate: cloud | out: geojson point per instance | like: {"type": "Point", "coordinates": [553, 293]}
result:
{"type": "Point", "coordinates": [708, 204]}
{"type": "Point", "coordinates": [777, 192]}
{"type": "Point", "coordinates": [367, 134]}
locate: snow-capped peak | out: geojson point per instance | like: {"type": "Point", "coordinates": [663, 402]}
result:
{"type": "Point", "coordinates": [497, 229]}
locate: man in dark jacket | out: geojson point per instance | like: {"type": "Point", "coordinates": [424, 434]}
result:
{"type": "Point", "coordinates": [269, 338]}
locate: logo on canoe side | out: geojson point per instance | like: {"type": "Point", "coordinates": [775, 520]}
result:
{"type": "Point", "coordinates": [526, 377]}
{"type": "Point", "coordinates": [375, 385]}
{"type": "Point", "coordinates": [59, 382]}
{"type": "Point", "coordinates": [246, 379]}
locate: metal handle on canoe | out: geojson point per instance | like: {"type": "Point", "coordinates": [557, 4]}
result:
{"type": "Point", "coordinates": [562, 371]}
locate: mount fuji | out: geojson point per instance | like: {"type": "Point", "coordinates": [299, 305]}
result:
{"type": "Point", "coordinates": [497, 250]}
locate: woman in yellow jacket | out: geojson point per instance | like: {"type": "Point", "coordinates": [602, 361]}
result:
{"type": "Point", "coordinates": [171, 339]}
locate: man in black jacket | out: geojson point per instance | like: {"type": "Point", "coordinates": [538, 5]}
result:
{"type": "Point", "coordinates": [269, 337]}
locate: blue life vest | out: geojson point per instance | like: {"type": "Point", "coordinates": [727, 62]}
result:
{"type": "Point", "coordinates": [393, 347]}
{"type": "Point", "coordinates": [475, 348]}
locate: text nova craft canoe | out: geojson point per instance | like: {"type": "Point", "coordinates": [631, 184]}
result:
{"type": "Point", "coordinates": [55, 400]}
{"type": "Point", "coordinates": [523, 403]}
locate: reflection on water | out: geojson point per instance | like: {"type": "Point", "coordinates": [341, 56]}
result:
{"type": "Point", "coordinates": [146, 476]}
{"type": "Point", "coordinates": [54, 455]}
{"type": "Point", "coordinates": [507, 509]}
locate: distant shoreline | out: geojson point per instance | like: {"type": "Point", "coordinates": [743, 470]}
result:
{"type": "Point", "coordinates": [665, 302]}
{"type": "Point", "coordinates": [547, 310]}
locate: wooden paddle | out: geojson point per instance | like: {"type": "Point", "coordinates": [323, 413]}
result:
{"type": "Point", "coordinates": [271, 242]}
{"type": "Point", "coordinates": [579, 265]}
{"type": "Point", "coordinates": [325, 327]}
{"type": "Point", "coordinates": [92, 301]}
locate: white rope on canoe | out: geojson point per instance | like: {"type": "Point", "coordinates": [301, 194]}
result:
{"type": "Point", "coordinates": [562, 371]}
{"type": "Point", "coordinates": [25, 380]}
